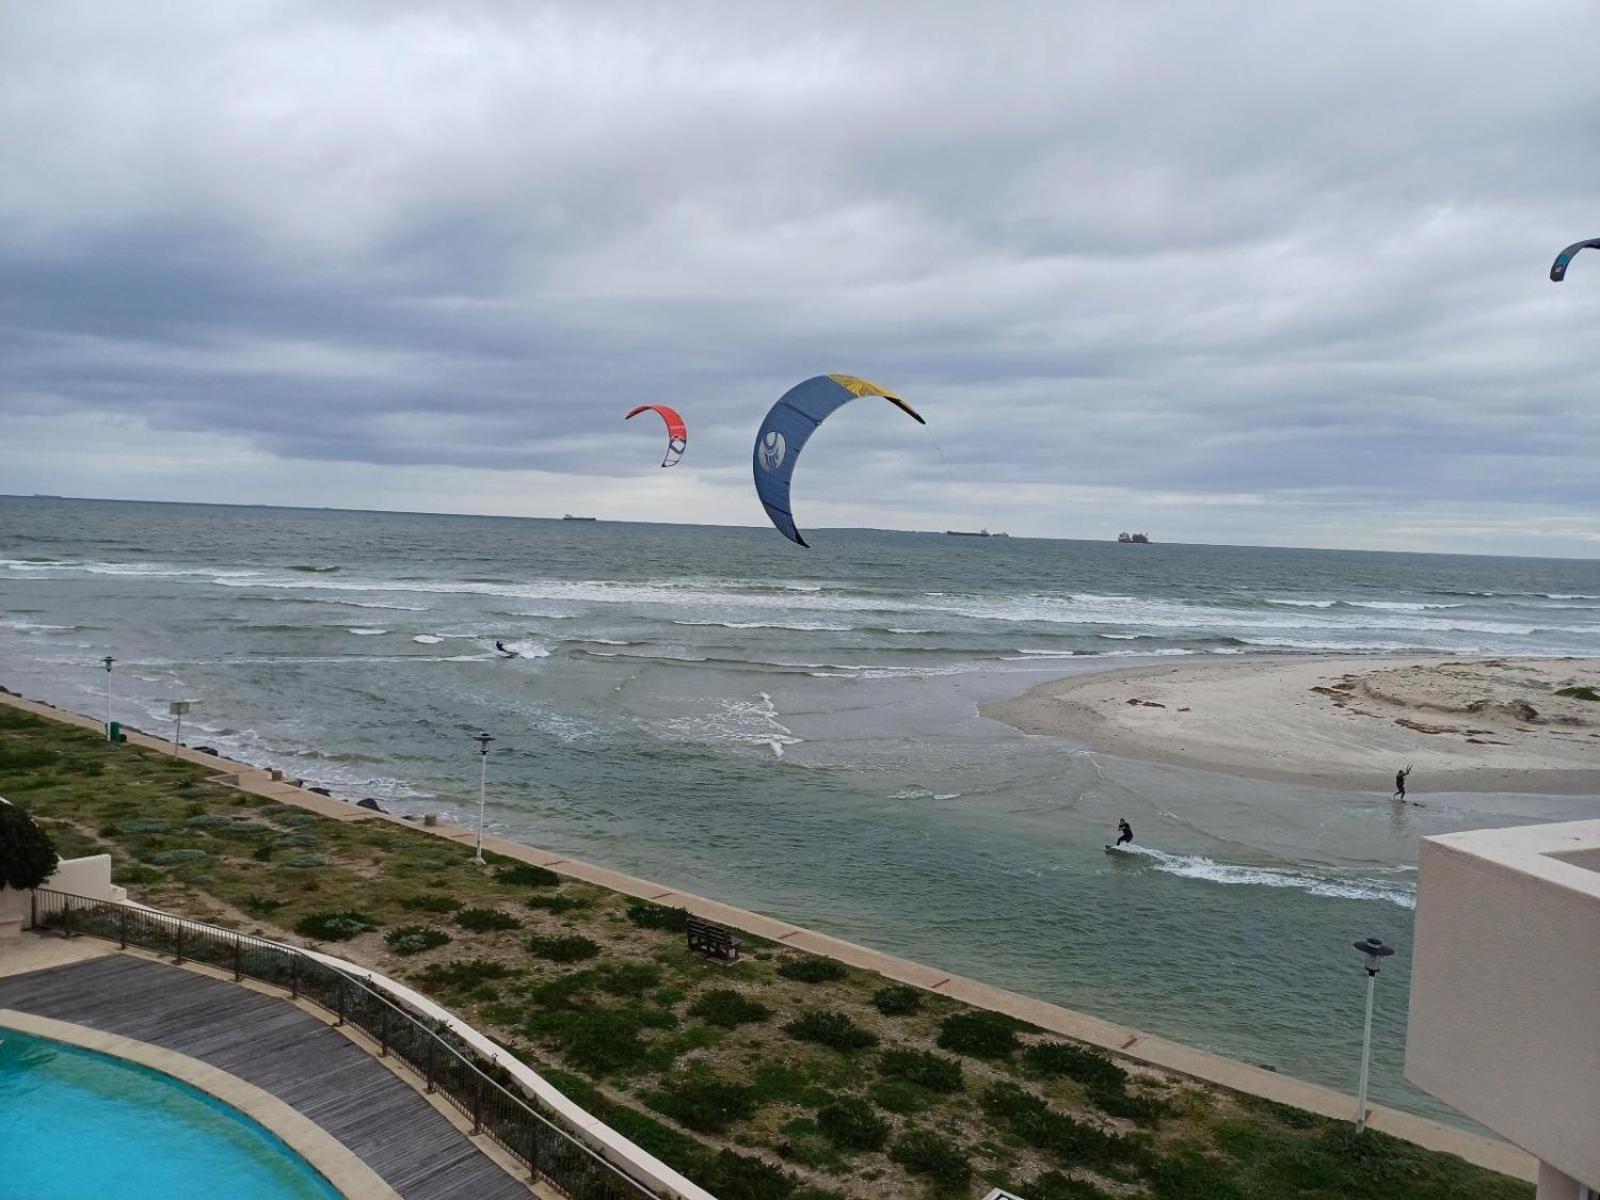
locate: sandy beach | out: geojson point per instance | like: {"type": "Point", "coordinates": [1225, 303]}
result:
{"type": "Point", "coordinates": [1482, 725]}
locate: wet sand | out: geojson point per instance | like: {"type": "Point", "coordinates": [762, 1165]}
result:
{"type": "Point", "coordinates": [1478, 725]}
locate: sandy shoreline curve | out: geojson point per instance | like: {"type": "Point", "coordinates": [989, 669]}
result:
{"type": "Point", "coordinates": [1464, 725]}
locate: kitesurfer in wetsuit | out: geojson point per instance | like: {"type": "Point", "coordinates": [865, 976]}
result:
{"type": "Point", "coordinates": [1124, 831]}
{"type": "Point", "coordinates": [501, 646]}
{"type": "Point", "coordinates": [1400, 784]}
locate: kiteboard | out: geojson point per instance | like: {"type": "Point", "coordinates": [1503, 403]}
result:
{"type": "Point", "coordinates": [1117, 850]}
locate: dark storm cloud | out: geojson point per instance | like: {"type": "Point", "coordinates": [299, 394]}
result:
{"type": "Point", "coordinates": [1289, 256]}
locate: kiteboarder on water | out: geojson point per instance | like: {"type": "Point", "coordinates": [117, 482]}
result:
{"type": "Point", "coordinates": [501, 646]}
{"type": "Point", "coordinates": [1124, 831]}
{"type": "Point", "coordinates": [1400, 783]}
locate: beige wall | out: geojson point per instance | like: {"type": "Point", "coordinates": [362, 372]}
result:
{"type": "Point", "coordinates": [1505, 986]}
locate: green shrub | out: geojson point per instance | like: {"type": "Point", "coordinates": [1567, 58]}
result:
{"type": "Point", "coordinates": [571, 948]}
{"type": "Point", "coordinates": [528, 875]}
{"type": "Point", "coordinates": [210, 821]}
{"type": "Point", "coordinates": [414, 939]}
{"type": "Point", "coordinates": [554, 904]}
{"type": "Point", "coordinates": [27, 857]}
{"type": "Point", "coordinates": [485, 920]}
{"type": "Point", "coordinates": [979, 1033]}
{"type": "Point", "coordinates": [304, 861]}
{"type": "Point", "coordinates": [702, 1102]}
{"type": "Point", "coordinates": [923, 1152]}
{"type": "Point", "coordinates": [626, 978]}
{"type": "Point", "coordinates": [813, 970]}
{"type": "Point", "coordinates": [897, 1000]}
{"type": "Point", "coordinates": [1028, 1117]}
{"type": "Point", "coordinates": [262, 853]}
{"type": "Point", "coordinates": [923, 1068]}
{"type": "Point", "coordinates": [141, 825]}
{"type": "Point", "coordinates": [171, 858]}
{"type": "Point", "coordinates": [734, 1176]}
{"type": "Point", "coordinates": [851, 1124]}
{"type": "Point", "coordinates": [832, 1029]}
{"type": "Point", "coordinates": [1054, 1059]}
{"type": "Point", "coordinates": [656, 916]}
{"type": "Point", "coordinates": [728, 1008]}
{"type": "Point", "coordinates": [429, 902]}
{"type": "Point", "coordinates": [596, 1040]}
{"type": "Point", "coordinates": [464, 973]}
{"type": "Point", "coordinates": [136, 873]}
{"type": "Point", "coordinates": [898, 1096]}
{"type": "Point", "coordinates": [1579, 693]}
{"type": "Point", "coordinates": [296, 820]}
{"type": "Point", "coordinates": [334, 926]}
{"type": "Point", "coordinates": [297, 841]}
{"type": "Point", "coordinates": [260, 906]}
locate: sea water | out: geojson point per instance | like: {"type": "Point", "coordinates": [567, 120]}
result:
{"type": "Point", "coordinates": [797, 732]}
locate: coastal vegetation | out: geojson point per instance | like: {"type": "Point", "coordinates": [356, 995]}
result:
{"type": "Point", "coordinates": [780, 1077]}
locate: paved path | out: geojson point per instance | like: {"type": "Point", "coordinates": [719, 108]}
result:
{"type": "Point", "coordinates": [282, 1050]}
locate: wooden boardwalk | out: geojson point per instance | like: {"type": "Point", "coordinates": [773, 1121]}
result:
{"type": "Point", "coordinates": [282, 1050]}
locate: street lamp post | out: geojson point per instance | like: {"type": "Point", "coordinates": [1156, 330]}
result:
{"type": "Point", "coordinates": [483, 740]}
{"type": "Point", "coordinates": [108, 660]}
{"type": "Point", "coordinates": [177, 708]}
{"type": "Point", "coordinates": [1374, 949]}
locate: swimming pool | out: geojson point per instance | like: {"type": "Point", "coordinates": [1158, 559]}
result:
{"type": "Point", "coordinates": [76, 1125]}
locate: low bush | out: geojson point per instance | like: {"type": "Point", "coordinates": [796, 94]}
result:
{"type": "Point", "coordinates": [304, 861]}
{"type": "Point", "coordinates": [626, 978]}
{"type": "Point", "coordinates": [429, 902]}
{"type": "Point", "coordinates": [851, 1124]}
{"type": "Point", "coordinates": [171, 858]}
{"type": "Point", "coordinates": [210, 821]}
{"type": "Point", "coordinates": [140, 825]}
{"type": "Point", "coordinates": [599, 1041]}
{"type": "Point", "coordinates": [137, 873]}
{"type": "Point", "coordinates": [923, 1068]}
{"type": "Point", "coordinates": [979, 1034]}
{"type": "Point", "coordinates": [728, 1008]}
{"type": "Point", "coordinates": [571, 948]}
{"type": "Point", "coordinates": [464, 973]}
{"type": "Point", "coordinates": [1053, 1185]}
{"type": "Point", "coordinates": [262, 854]}
{"type": "Point", "coordinates": [702, 1102]}
{"type": "Point", "coordinates": [923, 1152]}
{"type": "Point", "coordinates": [897, 1000]}
{"type": "Point", "coordinates": [734, 1176]}
{"type": "Point", "coordinates": [898, 1096]}
{"type": "Point", "coordinates": [414, 939]}
{"type": "Point", "coordinates": [813, 970]}
{"type": "Point", "coordinates": [334, 926]}
{"type": "Point", "coordinates": [656, 916]}
{"type": "Point", "coordinates": [1028, 1117]}
{"type": "Point", "coordinates": [297, 841]}
{"type": "Point", "coordinates": [554, 904]}
{"type": "Point", "coordinates": [832, 1029]}
{"type": "Point", "coordinates": [486, 920]}
{"type": "Point", "coordinates": [1579, 693]}
{"type": "Point", "coordinates": [1054, 1059]}
{"type": "Point", "coordinates": [528, 875]}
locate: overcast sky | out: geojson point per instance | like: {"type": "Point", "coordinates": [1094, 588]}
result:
{"type": "Point", "coordinates": [1259, 273]}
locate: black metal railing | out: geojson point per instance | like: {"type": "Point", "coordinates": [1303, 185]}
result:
{"type": "Point", "coordinates": [446, 1066]}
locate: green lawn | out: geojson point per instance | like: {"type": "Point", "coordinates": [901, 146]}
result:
{"type": "Point", "coordinates": [781, 1076]}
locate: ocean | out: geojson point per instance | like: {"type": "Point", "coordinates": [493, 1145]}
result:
{"type": "Point", "coordinates": [797, 732]}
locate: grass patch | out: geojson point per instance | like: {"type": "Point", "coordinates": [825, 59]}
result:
{"type": "Point", "coordinates": [1579, 693]}
{"type": "Point", "coordinates": [528, 875]}
{"type": "Point", "coordinates": [554, 904]}
{"type": "Point", "coordinates": [414, 939]}
{"type": "Point", "coordinates": [646, 915]}
{"type": "Point", "coordinates": [851, 1124]}
{"type": "Point", "coordinates": [704, 1102]}
{"type": "Point", "coordinates": [429, 902]}
{"type": "Point", "coordinates": [334, 926]}
{"type": "Point", "coordinates": [927, 1070]}
{"type": "Point", "coordinates": [932, 1155]}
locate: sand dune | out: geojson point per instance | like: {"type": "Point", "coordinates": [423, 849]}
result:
{"type": "Point", "coordinates": [1485, 725]}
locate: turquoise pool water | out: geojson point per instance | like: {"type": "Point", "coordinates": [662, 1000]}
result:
{"type": "Point", "coordinates": [75, 1125]}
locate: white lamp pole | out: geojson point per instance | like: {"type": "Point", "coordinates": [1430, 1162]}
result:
{"type": "Point", "coordinates": [108, 660]}
{"type": "Point", "coordinates": [1374, 949]}
{"type": "Point", "coordinates": [483, 740]}
{"type": "Point", "coordinates": [178, 708]}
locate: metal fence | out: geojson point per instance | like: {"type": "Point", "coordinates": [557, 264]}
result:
{"type": "Point", "coordinates": [446, 1066]}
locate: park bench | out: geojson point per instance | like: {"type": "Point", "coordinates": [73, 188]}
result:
{"type": "Point", "coordinates": [711, 940]}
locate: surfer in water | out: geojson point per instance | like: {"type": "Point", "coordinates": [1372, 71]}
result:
{"type": "Point", "coordinates": [1124, 831]}
{"type": "Point", "coordinates": [1400, 783]}
{"type": "Point", "coordinates": [501, 646]}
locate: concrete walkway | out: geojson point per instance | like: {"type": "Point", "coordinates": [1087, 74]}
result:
{"type": "Point", "coordinates": [283, 1050]}
{"type": "Point", "coordinates": [1487, 1152]}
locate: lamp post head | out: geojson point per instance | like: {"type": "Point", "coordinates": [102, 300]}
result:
{"type": "Point", "coordinates": [483, 740]}
{"type": "Point", "coordinates": [1374, 949]}
{"type": "Point", "coordinates": [108, 660]}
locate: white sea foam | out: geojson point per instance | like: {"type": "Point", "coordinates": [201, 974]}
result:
{"type": "Point", "coordinates": [742, 721]}
{"type": "Point", "coordinates": [1196, 866]}
{"type": "Point", "coordinates": [369, 632]}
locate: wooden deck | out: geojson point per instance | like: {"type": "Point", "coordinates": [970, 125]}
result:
{"type": "Point", "coordinates": [282, 1050]}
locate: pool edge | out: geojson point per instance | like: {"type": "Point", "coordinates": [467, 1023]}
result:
{"type": "Point", "coordinates": [329, 1157]}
